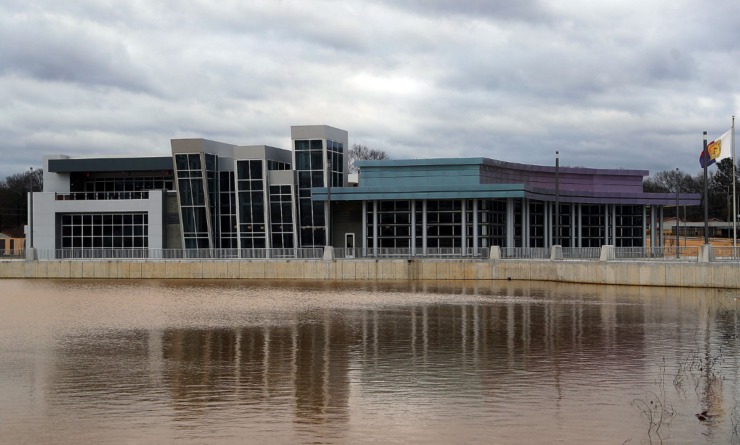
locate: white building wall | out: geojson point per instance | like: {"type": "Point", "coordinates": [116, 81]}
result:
{"type": "Point", "coordinates": [46, 207]}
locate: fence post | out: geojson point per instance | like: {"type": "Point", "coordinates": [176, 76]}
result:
{"type": "Point", "coordinates": [607, 253]}
{"type": "Point", "coordinates": [328, 253]}
{"type": "Point", "coordinates": [495, 253]}
{"type": "Point", "coordinates": [556, 253]}
{"type": "Point", "coordinates": [706, 253]}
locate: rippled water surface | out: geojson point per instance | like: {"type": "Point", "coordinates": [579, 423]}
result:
{"type": "Point", "coordinates": [266, 362]}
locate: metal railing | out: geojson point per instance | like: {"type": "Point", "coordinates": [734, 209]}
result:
{"type": "Point", "coordinates": [533, 253]}
{"type": "Point", "coordinates": [581, 253]}
{"type": "Point", "coordinates": [101, 196]}
{"type": "Point", "coordinates": [717, 253]}
{"type": "Point", "coordinates": [656, 253]}
{"type": "Point", "coordinates": [725, 253]}
{"type": "Point", "coordinates": [12, 253]}
{"type": "Point", "coordinates": [436, 252]}
{"type": "Point", "coordinates": [180, 254]}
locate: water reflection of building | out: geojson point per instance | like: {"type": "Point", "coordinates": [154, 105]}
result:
{"type": "Point", "coordinates": [306, 362]}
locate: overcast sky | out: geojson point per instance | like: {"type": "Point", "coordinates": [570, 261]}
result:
{"type": "Point", "coordinates": [608, 83]}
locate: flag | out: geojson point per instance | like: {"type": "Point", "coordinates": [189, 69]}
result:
{"type": "Point", "coordinates": [718, 149]}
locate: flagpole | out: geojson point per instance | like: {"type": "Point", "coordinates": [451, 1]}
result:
{"type": "Point", "coordinates": [705, 153]}
{"type": "Point", "coordinates": [734, 199]}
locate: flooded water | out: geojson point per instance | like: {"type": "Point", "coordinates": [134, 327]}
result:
{"type": "Point", "coordinates": [124, 362]}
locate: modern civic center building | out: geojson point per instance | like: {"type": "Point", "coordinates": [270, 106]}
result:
{"type": "Point", "coordinates": [253, 199]}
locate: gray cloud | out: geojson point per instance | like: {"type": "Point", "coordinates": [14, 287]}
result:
{"type": "Point", "coordinates": [609, 85]}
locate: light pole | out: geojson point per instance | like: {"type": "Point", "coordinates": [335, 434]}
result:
{"type": "Point", "coordinates": [678, 239]}
{"type": "Point", "coordinates": [556, 235]}
{"type": "Point", "coordinates": [30, 209]}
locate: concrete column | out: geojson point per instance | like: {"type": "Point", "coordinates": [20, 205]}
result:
{"type": "Point", "coordinates": [573, 225]}
{"type": "Point", "coordinates": [607, 253]}
{"type": "Point", "coordinates": [606, 223]}
{"type": "Point", "coordinates": [580, 225]}
{"type": "Point", "coordinates": [495, 253]}
{"type": "Point", "coordinates": [413, 227]}
{"type": "Point", "coordinates": [644, 227]}
{"type": "Point", "coordinates": [614, 225]}
{"type": "Point", "coordinates": [424, 226]}
{"type": "Point", "coordinates": [364, 225]}
{"type": "Point", "coordinates": [556, 253]}
{"type": "Point", "coordinates": [375, 227]}
{"type": "Point", "coordinates": [652, 227]}
{"type": "Point", "coordinates": [661, 238]}
{"type": "Point", "coordinates": [463, 211]}
{"type": "Point", "coordinates": [475, 225]}
{"type": "Point", "coordinates": [548, 223]}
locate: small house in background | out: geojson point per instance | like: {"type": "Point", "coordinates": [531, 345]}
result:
{"type": "Point", "coordinates": [10, 246]}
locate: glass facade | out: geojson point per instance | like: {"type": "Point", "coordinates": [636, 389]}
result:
{"type": "Point", "coordinates": [227, 207]}
{"type": "Point", "coordinates": [629, 228]}
{"type": "Point", "coordinates": [251, 196]}
{"type": "Point", "coordinates": [565, 227]}
{"type": "Point", "coordinates": [394, 224]}
{"type": "Point", "coordinates": [491, 222]}
{"type": "Point", "coordinates": [444, 223]}
{"type": "Point", "coordinates": [593, 225]}
{"type": "Point", "coordinates": [103, 231]}
{"type": "Point", "coordinates": [126, 184]}
{"type": "Point", "coordinates": [309, 159]}
{"type": "Point", "coordinates": [192, 196]}
{"type": "Point", "coordinates": [281, 217]}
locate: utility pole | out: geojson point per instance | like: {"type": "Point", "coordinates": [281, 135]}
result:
{"type": "Point", "coordinates": [556, 235]}
{"type": "Point", "coordinates": [678, 240]}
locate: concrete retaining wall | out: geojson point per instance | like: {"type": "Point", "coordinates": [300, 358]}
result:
{"type": "Point", "coordinates": [635, 273]}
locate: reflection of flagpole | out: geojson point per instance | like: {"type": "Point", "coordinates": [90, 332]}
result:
{"type": "Point", "coordinates": [734, 199]}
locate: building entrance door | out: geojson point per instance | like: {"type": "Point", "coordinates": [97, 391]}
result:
{"type": "Point", "coordinates": [349, 244]}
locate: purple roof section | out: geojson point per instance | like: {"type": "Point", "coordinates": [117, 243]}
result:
{"type": "Point", "coordinates": [580, 184]}
{"type": "Point", "coordinates": [578, 179]}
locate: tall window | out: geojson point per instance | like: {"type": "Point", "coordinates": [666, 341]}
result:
{"type": "Point", "coordinates": [310, 168]}
{"type": "Point", "coordinates": [281, 216]}
{"type": "Point", "coordinates": [593, 223]}
{"type": "Point", "coordinates": [394, 224]}
{"type": "Point", "coordinates": [192, 193]}
{"type": "Point", "coordinates": [227, 211]}
{"type": "Point", "coordinates": [251, 192]}
{"type": "Point", "coordinates": [444, 223]}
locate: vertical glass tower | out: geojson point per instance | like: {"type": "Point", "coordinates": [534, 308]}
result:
{"type": "Point", "coordinates": [319, 157]}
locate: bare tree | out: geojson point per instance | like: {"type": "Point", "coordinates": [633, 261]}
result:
{"type": "Point", "coordinates": [360, 152]}
{"type": "Point", "coordinates": [14, 197]}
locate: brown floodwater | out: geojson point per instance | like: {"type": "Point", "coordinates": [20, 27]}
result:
{"type": "Point", "coordinates": [124, 362]}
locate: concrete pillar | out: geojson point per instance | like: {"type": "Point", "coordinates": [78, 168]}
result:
{"type": "Point", "coordinates": [412, 242]}
{"type": "Point", "coordinates": [509, 222]}
{"type": "Point", "coordinates": [463, 223]}
{"type": "Point", "coordinates": [644, 227]}
{"type": "Point", "coordinates": [495, 253]}
{"type": "Point", "coordinates": [556, 253]}
{"type": "Point", "coordinates": [652, 227]}
{"type": "Point", "coordinates": [661, 242]}
{"type": "Point", "coordinates": [614, 224]}
{"type": "Point", "coordinates": [606, 224]}
{"type": "Point", "coordinates": [706, 253]}
{"type": "Point", "coordinates": [607, 253]}
{"type": "Point", "coordinates": [475, 225]}
{"type": "Point", "coordinates": [424, 226]}
{"type": "Point", "coordinates": [375, 228]}
{"type": "Point", "coordinates": [580, 226]}
{"type": "Point", "coordinates": [364, 225]}
{"type": "Point", "coordinates": [328, 253]}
